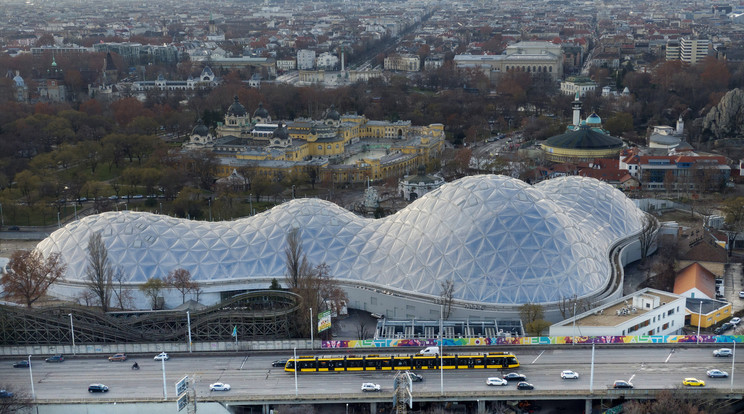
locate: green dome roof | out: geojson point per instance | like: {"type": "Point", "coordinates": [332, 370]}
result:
{"type": "Point", "coordinates": [584, 138]}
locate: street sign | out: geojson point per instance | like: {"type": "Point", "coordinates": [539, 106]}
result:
{"type": "Point", "coordinates": [182, 401]}
{"type": "Point", "coordinates": [182, 385]}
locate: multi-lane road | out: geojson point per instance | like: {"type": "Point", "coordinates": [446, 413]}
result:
{"type": "Point", "coordinates": [252, 375]}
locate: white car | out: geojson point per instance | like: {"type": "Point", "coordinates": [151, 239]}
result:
{"type": "Point", "coordinates": [218, 386]}
{"type": "Point", "coordinates": [568, 374]}
{"type": "Point", "coordinates": [369, 386]}
{"type": "Point", "coordinates": [741, 294]}
{"type": "Point", "coordinates": [735, 321]}
{"type": "Point", "coordinates": [161, 356]}
{"type": "Point", "coordinates": [496, 381]}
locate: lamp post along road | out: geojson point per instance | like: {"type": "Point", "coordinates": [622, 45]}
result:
{"type": "Point", "coordinates": [165, 392]}
{"type": "Point", "coordinates": [72, 332]}
{"type": "Point", "coordinates": [188, 323]}
{"type": "Point", "coordinates": [31, 373]}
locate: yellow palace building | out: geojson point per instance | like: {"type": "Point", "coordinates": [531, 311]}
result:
{"type": "Point", "coordinates": [338, 148]}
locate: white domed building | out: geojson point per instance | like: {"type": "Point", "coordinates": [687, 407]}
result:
{"type": "Point", "coordinates": [501, 241]}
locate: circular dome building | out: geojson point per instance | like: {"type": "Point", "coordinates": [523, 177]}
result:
{"type": "Point", "coordinates": [584, 144]}
{"type": "Point", "coordinates": [501, 241]}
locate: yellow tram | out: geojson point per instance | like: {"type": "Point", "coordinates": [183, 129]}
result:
{"type": "Point", "coordinates": [497, 360]}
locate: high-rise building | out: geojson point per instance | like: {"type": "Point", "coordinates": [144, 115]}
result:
{"type": "Point", "coordinates": [693, 51]}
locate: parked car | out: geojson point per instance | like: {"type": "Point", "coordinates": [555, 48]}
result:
{"type": "Point", "coordinates": [161, 356]}
{"type": "Point", "coordinates": [723, 328]}
{"type": "Point", "coordinates": [97, 388]}
{"type": "Point", "coordinates": [525, 386]}
{"type": "Point", "coordinates": [735, 321]}
{"type": "Point", "coordinates": [496, 381]}
{"type": "Point", "coordinates": [622, 384]}
{"type": "Point", "coordinates": [21, 364]}
{"type": "Point", "coordinates": [723, 352]}
{"type": "Point", "coordinates": [118, 357]}
{"type": "Point", "coordinates": [369, 386]}
{"type": "Point", "coordinates": [741, 293]}
{"type": "Point", "coordinates": [55, 358]}
{"type": "Point", "coordinates": [279, 363]}
{"type": "Point", "coordinates": [5, 394]}
{"type": "Point", "coordinates": [717, 373]}
{"type": "Point", "coordinates": [568, 374]}
{"type": "Point", "coordinates": [693, 382]}
{"type": "Point", "coordinates": [513, 376]}
{"type": "Point", "coordinates": [218, 386]}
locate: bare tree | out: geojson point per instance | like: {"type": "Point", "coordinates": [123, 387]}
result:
{"type": "Point", "coordinates": [532, 315]}
{"type": "Point", "coordinates": [297, 263]}
{"type": "Point", "coordinates": [122, 295]}
{"type": "Point", "coordinates": [180, 279]}
{"type": "Point", "coordinates": [647, 238]}
{"type": "Point", "coordinates": [573, 305]}
{"type": "Point", "coordinates": [362, 333]}
{"type": "Point", "coordinates": [152, 289]}
{"type": "Point", "coordinates": [315, 285]}
{"type": "Point", "coordinates": [99, 274]}
{"type": "Point", "coordinates": [18, 402]}
{"type": "Point", "coordinates": [446, 296]}
{"type": "Point", "coordinates": [31, 275]}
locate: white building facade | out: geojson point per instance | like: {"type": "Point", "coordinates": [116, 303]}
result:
{"type": "Point", "coordinates": [646, 312]}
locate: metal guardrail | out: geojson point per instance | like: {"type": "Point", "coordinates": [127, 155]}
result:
{"type": "Point", "coordinates": [489, 394]}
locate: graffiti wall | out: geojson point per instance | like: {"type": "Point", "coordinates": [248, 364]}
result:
{"type": "Point", "coordinates": [536, 340]}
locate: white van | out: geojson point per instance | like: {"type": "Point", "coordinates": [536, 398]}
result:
{"type": "Point", "coordinates": [430, 350]}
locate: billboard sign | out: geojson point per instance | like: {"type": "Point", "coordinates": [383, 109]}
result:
{"type": "Point", "coordinates": [324, 321]}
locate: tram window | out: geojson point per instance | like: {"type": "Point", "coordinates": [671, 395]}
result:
{"type": "Point", "coordinates": [354, 363]}
{"type": "Point", "coordinates": [400, 362]}
{"type": "Point", "coordinates": [511, 360]}
{"type": "Point", "coordinates": [322, 364]}
{"type": "Point", "coordinates": [290, 365]}
{"type": "Point", "coordinates": [449, 362]}
{"type": "Point", "coordinates": [306, 364]}
{"type": "Point", "coordinates": [386, 363]}
{"type": "Point", "coordinates": [371, 363]}
{"type": "Point", "coordinates": [478, 361]}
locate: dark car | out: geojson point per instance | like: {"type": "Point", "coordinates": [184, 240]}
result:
{"type": "Point", "coordinates": [55, 358]}
{"type": "Point", "coordinates": [513, 376]}
{"type": "Point", "coordinates": [279, 363]}
{"type": "Point", "coordinates": [13, 228]}
{"type": "Point", "coordinates": [21, 364]}
{"type": "Point", "coordinates": [5, 394]}
{"type": "Point", "coordinates": [622, 384]}
{"type": "Point", "coordinates": [415, 377]}
{"type": "Point", "coordinates": [97, 388]}
{"type": "Point", "coordinates": [723, 328]}
{"type": "Point", "coordinates": [525, 386]}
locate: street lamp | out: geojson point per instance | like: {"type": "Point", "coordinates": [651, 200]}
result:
{"type": "Point", "coordinates": [165, 393]}
{"type": "Point", "coordinates": [700, 321]}
{"type": "Point", "coordinates": [296, 367]}
{"type": "Point", "coordinates": [72, 332]}
{"type": "Point", "coordinates": [2, 219]}
{"type": "Point", "coordinates": [31, 373]}
{"type": "Point", "coordinates": [311, 329]}
{"type": "Point", "coordinates": [59, 225]}
{"type": "Point", "coordinates": [188, 322]}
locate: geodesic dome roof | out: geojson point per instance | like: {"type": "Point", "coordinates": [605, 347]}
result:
{"type": "Point", "coordinates": [499, 239]}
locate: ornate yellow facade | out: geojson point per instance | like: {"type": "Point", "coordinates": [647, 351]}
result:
{"type": "Point", "coordinates": [322, 145]}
